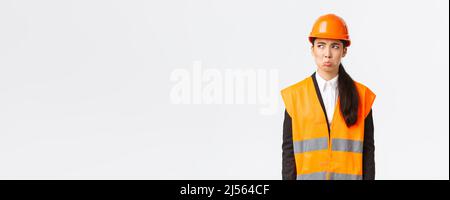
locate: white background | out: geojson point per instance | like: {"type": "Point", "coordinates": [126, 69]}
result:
{"type": "Point", "coordinates": [84, 85]}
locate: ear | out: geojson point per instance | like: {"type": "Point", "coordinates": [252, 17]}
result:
{"type": "Point", "coordinates": [344, 52]}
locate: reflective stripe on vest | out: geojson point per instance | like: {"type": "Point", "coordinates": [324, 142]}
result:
{"type": "Point", "coordinates": [313, 176]}
{"type": "Point", "coordinates": [336, 176]}
{"type": "Point", "coordinates": [311, 145]}
{"type": "Point", "coordinates": [322, 144]}
{"type": "Point", "coordinates": [347, 145]}
{"type": "Point", "coordinates": [333, 176]}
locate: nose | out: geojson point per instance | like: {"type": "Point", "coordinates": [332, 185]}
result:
{"type": "Point", "coordinates": [327, 53]}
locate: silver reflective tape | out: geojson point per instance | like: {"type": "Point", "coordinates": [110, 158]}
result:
{"type": "Point", "coordinates": [311, 145]}
{"type": "Point", "coordinates": [313, 176]}
{"type": "Point", "coordinates": [336, 176]}
{"type": "Point", "coordinates": [347, 145]}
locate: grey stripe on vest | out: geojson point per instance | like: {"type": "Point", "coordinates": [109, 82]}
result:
{"type": "Point", "coordinates": [310, 145]}
{"type": "Point", "coordinates": [347, 145]}
{"type": "Point", "coordinates": [313, 176]}
{"type": "Point", "coordinates": [336, 176]}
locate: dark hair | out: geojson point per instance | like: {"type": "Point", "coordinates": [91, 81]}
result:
{"type": "Point", "coordinates": [345, 43]}
{"type": "Point", "coordinates": [347, 93]}
{"type": "Point", "coordinates": [348, 96]}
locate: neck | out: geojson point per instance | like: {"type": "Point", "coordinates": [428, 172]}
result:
{"type": "Point", "coordinates": [327, 75]}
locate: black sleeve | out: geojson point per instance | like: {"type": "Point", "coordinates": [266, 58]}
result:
{"type": "Point", "coordinates": [368, 149]}
{"type": "Point", "coordinates": [288, 167]}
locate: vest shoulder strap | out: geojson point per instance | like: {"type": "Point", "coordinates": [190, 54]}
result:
{"type": "Point", "coordinates": [293, 93]}
{"type": "Point", "coordinates": [367, 98]}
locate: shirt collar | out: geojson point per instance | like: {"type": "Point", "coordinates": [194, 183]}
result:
{"type": "Point", "coordinates": [321, 82]}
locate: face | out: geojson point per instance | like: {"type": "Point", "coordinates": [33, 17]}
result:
{"type": "Point", "coordinates": [328, 54]}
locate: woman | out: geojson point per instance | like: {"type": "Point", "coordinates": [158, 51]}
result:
{"type": "Point", "coordinates": [328, 126]}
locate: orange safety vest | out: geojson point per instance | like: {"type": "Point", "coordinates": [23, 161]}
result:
{"type": "Point", "coordinates": [323, 153]}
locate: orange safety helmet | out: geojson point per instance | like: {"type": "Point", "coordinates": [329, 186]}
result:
{"type": "Point", "coordinates": [330, 26]}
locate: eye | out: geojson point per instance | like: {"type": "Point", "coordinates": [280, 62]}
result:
{"type": "Point", "coordinates": [320, 45]}
{"type": "Point", "coordinates": [335, 47]}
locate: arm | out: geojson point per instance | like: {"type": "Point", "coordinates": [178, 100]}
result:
{"type": "Point", "coordinates": [288, 167]}
{"type": "Point", "coordinates": [369, 149]}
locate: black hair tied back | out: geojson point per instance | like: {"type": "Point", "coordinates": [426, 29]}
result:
{"type": "Point", "coordinates": [348, 96]}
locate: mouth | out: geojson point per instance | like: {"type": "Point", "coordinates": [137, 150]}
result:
{"type": "Point", "coordinates": [327, 64]}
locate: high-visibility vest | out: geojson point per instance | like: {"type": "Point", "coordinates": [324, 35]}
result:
{"type": "Point", "coordinates": [322, 152]}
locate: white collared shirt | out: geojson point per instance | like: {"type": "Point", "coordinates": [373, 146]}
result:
{"type": "Point", "coordinates": [329, 91]}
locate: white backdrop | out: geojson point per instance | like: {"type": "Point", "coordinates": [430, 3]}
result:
{"type": "Point", "coordinates": [86, 86]}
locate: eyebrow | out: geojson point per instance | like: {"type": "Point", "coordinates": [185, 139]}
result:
{"type": "Point", "coordinates": [334, 43]}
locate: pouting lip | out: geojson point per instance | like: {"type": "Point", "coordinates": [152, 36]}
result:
{"type": "Point", "coordinates": [327, 63]}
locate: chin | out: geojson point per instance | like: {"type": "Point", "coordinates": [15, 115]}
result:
{"type": "Point", "coordinates": [328, 69]}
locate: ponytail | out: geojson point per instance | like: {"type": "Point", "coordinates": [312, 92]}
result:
{"type": "Point", "coordinates": [348, 96]}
